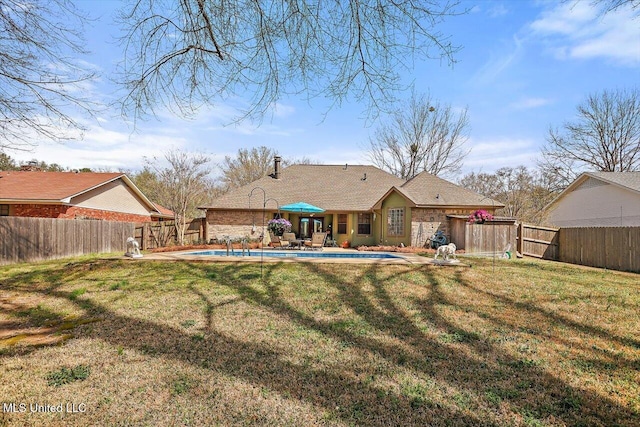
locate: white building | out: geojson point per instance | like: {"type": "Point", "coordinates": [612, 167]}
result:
{"type": "Point", "coordinates": [598, 199]}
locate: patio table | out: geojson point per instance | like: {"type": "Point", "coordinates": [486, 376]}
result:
{"type": "Point", "coordinates": [297, 242]}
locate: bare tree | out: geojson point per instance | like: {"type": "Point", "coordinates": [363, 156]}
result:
{"type": "Point", "coordinates": [422, 135]}
{"type": "Point", "coordinates": [250, 165]}
{"type": "Point", "coordinates": [613, 5]}
{"type": "Point", "coordinates": [40, 75]}
{"type": "Point", "coordinates": [181, 186]}
{"type": "Point", "coordinates": [181, 55]}
{"type": "Point", "coordinates": [605, 137]}
{"type": "Point", "coordinates": [524, 193]}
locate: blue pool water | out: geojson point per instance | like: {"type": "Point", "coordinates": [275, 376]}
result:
{"type": "Point", "coordinates": [300, 254]}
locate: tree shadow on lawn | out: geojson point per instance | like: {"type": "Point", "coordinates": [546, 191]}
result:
{"type": "Point", "coordinates": [529, 309]}
{"type": "Point", "coordinates": [477, 365]}
{"type": "Point", "coordinates": [336, 391]}
{"type": "Point", "coordinates": [470, 365]}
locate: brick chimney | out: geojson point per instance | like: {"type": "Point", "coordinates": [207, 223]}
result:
{"type": "Point", "coordinates": [276, 171]}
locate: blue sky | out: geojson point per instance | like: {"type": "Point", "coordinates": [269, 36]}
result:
{"type": "Point", "coordinates": [524, 66]}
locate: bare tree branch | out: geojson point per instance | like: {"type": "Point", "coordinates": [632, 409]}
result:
{"type": "Point", "coordinates": [181, 186]}
{"type": "Point", "coordinates": [207, 51]}
{"type": "Point", "coordinates": [41, 81]}
{"type": "Point", "coordinates": [422, 135]}
{"type": "Point", "coordinates": [250, 165]}
{"type": "Point", "coordinates": [610, 6]}
{"type": "Point", "coordinates": [604, 137]}
{"type": "Point", "coordinates": [524, 193]}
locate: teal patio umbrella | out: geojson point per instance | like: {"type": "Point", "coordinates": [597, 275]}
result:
{"type": "Point", "coordinates": [301, 207]}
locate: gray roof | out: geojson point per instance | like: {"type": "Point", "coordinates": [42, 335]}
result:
{"type": "Point", "coordinates": [346, 188]}
{"type": "Point", "coordinates": [426, 189]}
{"type": "Point", "coordinates": [630, 180]}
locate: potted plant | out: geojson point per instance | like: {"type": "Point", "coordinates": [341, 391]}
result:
{"type": "Point", "coordinates": [279, 226]}
{"type": "Point", "coordinates": [480, 216]}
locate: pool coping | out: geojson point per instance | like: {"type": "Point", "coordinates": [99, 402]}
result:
{"type": "Point", "coordinates": [403, 258]}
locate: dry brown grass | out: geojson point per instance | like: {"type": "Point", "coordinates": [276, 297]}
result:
{"type": "Point", "coordinates": [184, 343]}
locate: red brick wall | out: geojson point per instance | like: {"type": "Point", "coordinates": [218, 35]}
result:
{"type": "Point", "coordinates": [73, 212]}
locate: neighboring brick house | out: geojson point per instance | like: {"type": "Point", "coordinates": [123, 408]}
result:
{"type": "Point", "coordinates": [598, 199]}
{"type": "Point", "coordinates": [71, 195]}
{"type": "Point", "coordinates": [363, 205]}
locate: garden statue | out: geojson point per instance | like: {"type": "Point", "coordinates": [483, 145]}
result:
{"type": "Point", "coordinates": [133, 248]}
{"type": "Point", "coordinates": [447, 252]}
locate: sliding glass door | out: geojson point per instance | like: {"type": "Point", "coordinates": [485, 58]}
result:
{"type": "Point", "coordinates": [309, 225]}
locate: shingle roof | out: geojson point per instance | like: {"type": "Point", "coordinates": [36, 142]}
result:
{"type": "Point", "coordinates": [50, 186]}
{"type": "Point", "coordinates": [426, 189]}
{"type": "Point", "coordinates": [331, 187]}
{"type": "Point", "coordinates": [340, 188]}
{"type": "Point", "coordinates": [163, 212]}
{"type": "Point", "coordinates": [60, 187]}
{"type": "Point", "coordinates": [629, 180]}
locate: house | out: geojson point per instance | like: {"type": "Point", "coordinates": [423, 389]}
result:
{"type": "Point", "coordinates": [364, 205]}
{"type": "Point", "coordinates": [71, 195]}
{"type": "Point", "coordinates": [598, 199]}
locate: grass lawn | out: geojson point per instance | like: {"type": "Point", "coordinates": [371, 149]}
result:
{"type": "Point", "coordinates": [125, 342]}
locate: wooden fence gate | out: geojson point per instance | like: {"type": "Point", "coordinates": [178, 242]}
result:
{"type": "Point", "coordinates": [538, 241]}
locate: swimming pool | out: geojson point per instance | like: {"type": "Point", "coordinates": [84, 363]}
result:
{"type": "Point", "coordinates": [300, 254]}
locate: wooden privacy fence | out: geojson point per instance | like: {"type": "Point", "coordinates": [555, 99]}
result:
{"type": "Point", "coordinates": [152, 235]}
{"type": "Point", "coordinates": [35, 239]}
{"type": "Point", "coordinates": [615, 248]}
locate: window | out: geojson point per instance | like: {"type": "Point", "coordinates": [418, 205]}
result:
{"type": "Point", "coordinates": [395, 225]}
{"type": "Point", "coordinates": [4, 210]}
{"type": "Point", "coordinates": [342, 223]}
{"type": "Point", "coordinates": [364, 223]}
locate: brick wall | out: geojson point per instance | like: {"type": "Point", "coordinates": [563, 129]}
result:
{"type": "Point", "coordinates": [425, 222]}
{"type": "Point", "coordinates": [235, 224]}
{"type": "Point", "coordinates": [40, 211]}
{"type": "Point", "coordinates": [74, 212]}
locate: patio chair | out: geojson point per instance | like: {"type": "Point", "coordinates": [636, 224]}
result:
{"type": "Point", "coordinates": [317, 241]}
{"type": "Point", "coordinates": [279, 242]}
{"type": "Point", "coordinates": [291, 238]}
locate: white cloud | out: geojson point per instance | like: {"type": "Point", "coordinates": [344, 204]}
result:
{"type": "Point", "coordinates": [567, 18]}
{"type": "Point", "coordinates": [578, 31]}
{"type": "Point", "coordinates": [497, 65]}
{"type": "Point", "coordinates": [498, 11]}
{"type": "Point", "coordinates": [103, 148]}
{"type": "Point", "coordinates": [491, 155]}
{"type": "Point", "coordinates": [282, 110]}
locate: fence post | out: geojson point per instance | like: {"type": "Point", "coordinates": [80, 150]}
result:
{"type": "Point", "coordinates": [205, 230]}
{"type": "Point", "coordinates": [520, 237]}
{"type": "Point", "coordinates": [144, 237]}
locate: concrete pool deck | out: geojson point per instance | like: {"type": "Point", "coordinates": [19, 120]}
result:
{"type": "Point", "coordinates": [403, 258]}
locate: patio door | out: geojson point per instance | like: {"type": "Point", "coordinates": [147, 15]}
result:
{"type": "Point", "coordinates": [310, 225]}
